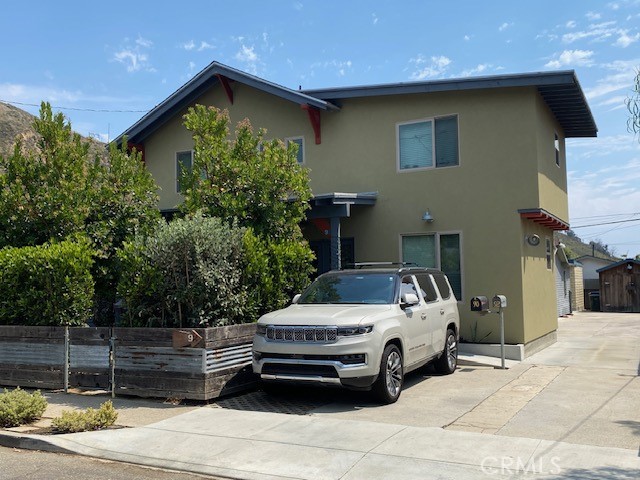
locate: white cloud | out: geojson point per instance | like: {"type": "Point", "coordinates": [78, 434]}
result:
{"type": "Point", "coordinates": [571, 24]}
{"type": "Point", "coordinates": [341, 66]}
{"type": "Point", "coordinates": [467, 38]}
{"type": "Point", "coordinates": [504, 26]}
{"type": "Point", "coordinates": [34, 94]}
{"type": "Point", "coordinates": [249, 57]}
{"type": "Point", "coordinates": [192, 66]}
{"type": "Point", "coordinates": [597, 32]}
{"type": "Point", "coordinates": [143, 42]}
{"type": "Point", "coordinates": [131, 59]}
{"type": "Point", "coordinates": [580, 58]}
{"type": "Point", "coordinates": [621, 79]}
{"type": "Point", "coordinates": [480, 68]}
{"type": "Point", "coordinates": [374, 18]}
{"type": "Point", "coordinates": [205, 46]}
{"type": "Point", "coordinates": [624, 40]}
{"type": "Point", "coordinates": [588, 148]}
{"type": "Point", "coordinates": [134, 56]}
{"type": "Point", "coordinates": [434, 66]}
{"type": "Point", "coordinates": [246, 54]}
{"type": "Point", "coordinates": [190, 45]}
{"type": "Point", "coordinates": [593, 16]}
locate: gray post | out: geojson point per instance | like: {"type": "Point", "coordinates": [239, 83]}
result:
{"type": "Point", "coordinates": [112, 363]}
{"type": "Point", "coordinates": [502, 337]}
{"type": "Point", "coordinates": [335, 243]}
{"type": "Point", "coordinates": [66, 359]}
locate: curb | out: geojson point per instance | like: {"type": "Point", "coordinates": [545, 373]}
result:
{"type": "Point", "coordinates": [30, 442]}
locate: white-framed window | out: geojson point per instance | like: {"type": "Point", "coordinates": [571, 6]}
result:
{"type": "Point", "coordinates": [300, 142]}
{"type": "Point", "coordinates": [184, 163]}
{"type": "Point", "coordinates": [427, 143]}
{"type": "Point", "coordinates": [548, 253]}
{"type": "Point", "coordinates": [436, 250]}
{"type": "Point", "coordinates": [556, 144]}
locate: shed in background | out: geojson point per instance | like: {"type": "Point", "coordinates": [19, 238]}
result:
{"type": "Point", "coordinates": [620, 286]}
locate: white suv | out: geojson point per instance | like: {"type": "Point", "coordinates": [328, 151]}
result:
{"type": "Point", "coordinates": [362, 329]}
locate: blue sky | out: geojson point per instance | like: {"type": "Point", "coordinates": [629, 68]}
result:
{"type": "Point", "coordinates": [107, 66]}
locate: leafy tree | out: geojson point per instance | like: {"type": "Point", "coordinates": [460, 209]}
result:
{"type": "Point", "coordinates": [259, 185]}
{"type": "Point", "coordinates": [633, 105]}
{"type": "Point", "coordinates": [45, 195]}
{"type": "Point", "coordinates": [59, 189]}
{"type": "Point", "coordinates": [257, 182]}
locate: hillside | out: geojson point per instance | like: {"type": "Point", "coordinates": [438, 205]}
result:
{"type": "Point", "coordinates": [576, 248]}
{"type": "Point", "coordinates": [16, 123]}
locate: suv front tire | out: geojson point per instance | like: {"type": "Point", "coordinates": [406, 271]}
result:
{"type": "Point", "coordinates": [391, 377]}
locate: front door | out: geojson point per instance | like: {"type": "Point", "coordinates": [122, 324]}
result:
{"type": "Point", "coordinates": [322, 252]}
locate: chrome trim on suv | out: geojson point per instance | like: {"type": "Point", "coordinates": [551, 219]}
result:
{"type": "Point", "coordinates": [315, 334]}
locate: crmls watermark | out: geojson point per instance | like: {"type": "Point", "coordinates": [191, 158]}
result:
{"type": "Point", "coordinates": [517, 465]}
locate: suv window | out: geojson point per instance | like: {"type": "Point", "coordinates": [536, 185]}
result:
{"type": "Point", "coordinates": [365, 288]}
{"type": "Point", "coordinates": [442, 284]}
{"type": "Point", "coordinates": [428, 292]}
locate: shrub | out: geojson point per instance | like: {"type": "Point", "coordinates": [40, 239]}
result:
{"type": "Point", "coordinates": [49, 284]}
{"type": "Point", "coordinates": [274, 271]}
{"type": "Point", "coordinates": [18, 407]}
{"type": "Point", "coordinates": [187, 274]}
{"type": "Point", "coordinates": [86, 420]}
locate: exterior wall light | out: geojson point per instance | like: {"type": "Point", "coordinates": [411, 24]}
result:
{"type": "Point", "coordinates": [427, 217]}
{"type": "Point", "coordinates": [533, 240]}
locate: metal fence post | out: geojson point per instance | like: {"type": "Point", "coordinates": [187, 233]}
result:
{"type": "Point", "coordinates": [112, 362]}
{"type": "Point", "coordinates": [66, 359]}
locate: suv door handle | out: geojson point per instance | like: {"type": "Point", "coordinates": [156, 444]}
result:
{"type": "Point", "coordinates": [423, 316]}
{"type": "Point", "coordinates": [442, 311]}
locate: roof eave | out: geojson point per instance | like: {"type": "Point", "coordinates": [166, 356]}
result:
{"type": "Point", "coordinates": [196, 87]}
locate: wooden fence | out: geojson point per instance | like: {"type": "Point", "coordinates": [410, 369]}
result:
{"type": "Point", "coordinates": [144, 362]}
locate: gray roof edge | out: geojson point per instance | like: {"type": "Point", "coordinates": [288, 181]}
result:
{"type": "Point", "coordinates": [215, 68]}
{"type": "Point", "coordinates": [533, 79]}
{"type": "Point", "coordinates": [618, 263]}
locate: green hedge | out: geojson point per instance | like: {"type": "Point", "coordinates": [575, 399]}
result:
{"type": "Point", "coordinates": [48, 285]}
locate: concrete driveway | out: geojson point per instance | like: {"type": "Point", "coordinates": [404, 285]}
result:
{"type": "Point", "coordinates": [584, 389]}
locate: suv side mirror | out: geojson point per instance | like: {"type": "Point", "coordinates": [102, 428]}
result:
{"type": "Point", "coordinates": [408, 300]}
{"type": "Point", "coordinates": [296, 298]}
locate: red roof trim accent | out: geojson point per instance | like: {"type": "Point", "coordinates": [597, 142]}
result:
{"type": "Point", "coordinates": [224, 81]}
{"type": "Point", "coordinates": [314, 118]}
{"type": "Point", "coordinates": [544, 218]}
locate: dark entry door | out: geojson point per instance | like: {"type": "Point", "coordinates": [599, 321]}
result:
{"type": "Point", "coordinates": [322, 251]}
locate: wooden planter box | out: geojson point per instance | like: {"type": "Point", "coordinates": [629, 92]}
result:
{"type": "Point", "coordinates": [148, 364]}
{"type": "Point", "coordinates": [198, 364]}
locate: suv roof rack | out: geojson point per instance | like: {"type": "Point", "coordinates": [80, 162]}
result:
{"type": "Point", "coordinates": [361, 265]}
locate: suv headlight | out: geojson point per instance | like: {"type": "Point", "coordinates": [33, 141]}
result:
{"type": "Point", "coordinates": [261, 330]}
{"type": "Point", "coordinates": [351, 331]}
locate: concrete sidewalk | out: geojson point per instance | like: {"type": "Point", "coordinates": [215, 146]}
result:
{"type": "Point", "coordinates": [257, 445]}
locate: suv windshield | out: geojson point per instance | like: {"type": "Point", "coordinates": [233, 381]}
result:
{"type": "Point", "coordinates": [369, 288]}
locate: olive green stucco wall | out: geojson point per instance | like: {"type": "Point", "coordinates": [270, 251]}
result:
{"type": "Point", "coordinates": [503, 147]}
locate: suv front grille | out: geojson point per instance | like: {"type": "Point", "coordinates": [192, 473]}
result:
{"type": "Point", "coordinates": [302, 334]}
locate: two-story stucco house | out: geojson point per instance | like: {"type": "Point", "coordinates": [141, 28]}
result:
{"type": "Point", "coordinates": [466, 175]}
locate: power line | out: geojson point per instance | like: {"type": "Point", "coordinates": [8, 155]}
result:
{"type": "Point", "coordinates": [606, 223]}
{"type": "Point", "coordinates": [98, 110]}
{"type": "Point", "coordinates": [609, 215]}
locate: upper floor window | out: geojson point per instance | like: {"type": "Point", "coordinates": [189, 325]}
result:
{"type": "Point", "coordinates": [428, 143]}
{"type": "Point", "coordinates": [184, 165]}
{"type": "Point", "coordinates": [300, 142]}
{"type": "Point", "coordinates": [548, 253]}
{"type": "Point", "coordinates": [556, 144]}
